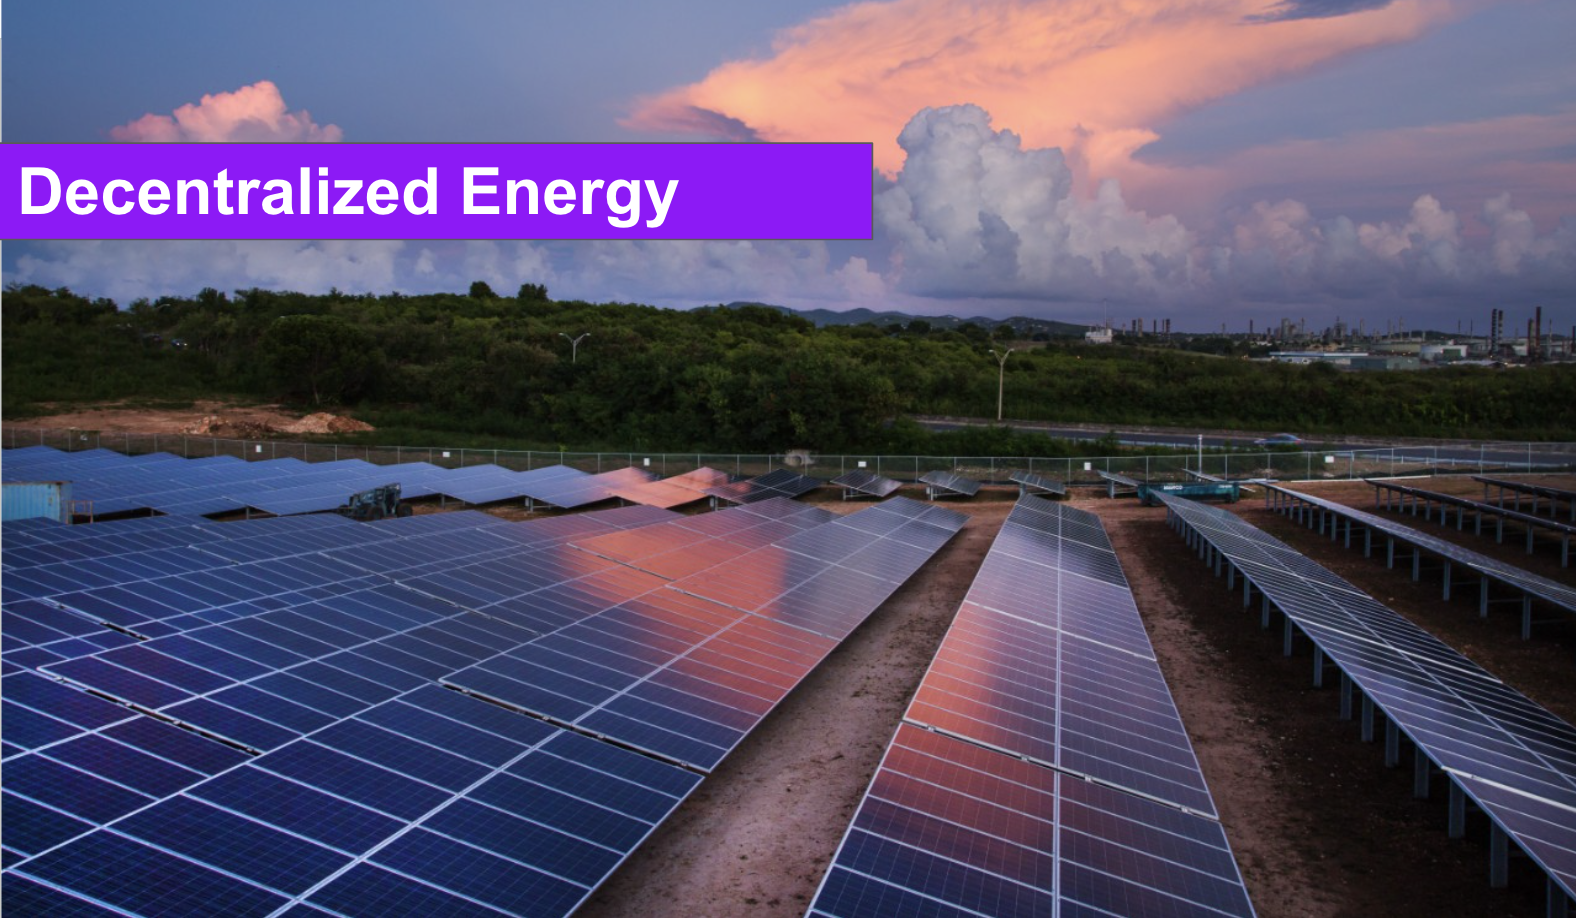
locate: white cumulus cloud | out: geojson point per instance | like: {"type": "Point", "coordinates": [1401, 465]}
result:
{"type": "Point", "coordinates": [250, 114]}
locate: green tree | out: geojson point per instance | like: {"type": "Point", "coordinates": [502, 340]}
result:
{"type": "Point", "coordinates": [324, 358]}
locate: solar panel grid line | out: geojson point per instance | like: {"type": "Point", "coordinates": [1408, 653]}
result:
{"type": "Point", "coordinates": [1528, 765]}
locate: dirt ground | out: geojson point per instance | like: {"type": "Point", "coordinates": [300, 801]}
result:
{"type": "Point", "coordinates": [130, 418]}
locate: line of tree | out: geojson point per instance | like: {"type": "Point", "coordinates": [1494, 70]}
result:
{"type": "Point", "coordinates": [745, 378]}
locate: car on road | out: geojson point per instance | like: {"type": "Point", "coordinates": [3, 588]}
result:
{"type": "Point", "coordinates": [1280, 439]}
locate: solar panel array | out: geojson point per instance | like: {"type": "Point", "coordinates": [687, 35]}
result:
{"type": "Point", "coordinates": [944, 484]}
{"type": "Point", "coordinates": [779, 483]}
{"type": "Point", "coordinates": [1030, 483]}
{"type": "Point", "coordinates": [264, 717]}
{"type": "Point", "coordinates": [1511, 756]}
{"type": "Point", "coordinates": [866, 484]}
{"type": "Point", "coordinates": [1517, 489]}
{"type": "Point", "coordinates": [1532, 585]}
{"type": "Point", "coordinates": [1426, 499]}
{"type": "Point", "coordinates": [116, 483]}
{"type": "Point", "coordinates": [1042, 767]}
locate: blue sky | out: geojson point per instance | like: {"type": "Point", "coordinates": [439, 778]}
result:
{"type": "Point", "coordinates": [1216, 161]}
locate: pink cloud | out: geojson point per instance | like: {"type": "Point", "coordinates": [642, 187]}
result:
{"type": "Point", "coordinates": [1096, 78]}
{"type": "Point", "coordinates": [251, 113]}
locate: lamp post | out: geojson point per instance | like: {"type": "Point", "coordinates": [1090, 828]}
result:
{"type": "Point", "coordinates": [574, 345]}
{"type": "Point", "coordinates": [1001, 375]}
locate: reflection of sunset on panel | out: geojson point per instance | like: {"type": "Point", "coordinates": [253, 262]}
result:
{"type": "Point", "coordinates": [1094, 77]}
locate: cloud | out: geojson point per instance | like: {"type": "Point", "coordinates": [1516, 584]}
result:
{"type": "Point", "coordinates": [976, 219]}
{"type": "Point", "coordinates": [125, 269]}
{"type": "Point", "coordinates": [1317, 9]}
{"type": "Point", "coordinates": [1378, 171]}
{"type": "Point", "coordinates": [974, 213]}
{"type": "Point", "coordinates": [1095, 78]}
{"type": "Point", "coordinates": [250, 114]}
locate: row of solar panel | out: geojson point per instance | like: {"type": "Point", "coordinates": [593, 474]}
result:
{"type": "Point", "coordinates": [1512, 756]}
{"type": "Point", "coordinates": [1042, 767]}
{"type": "Point", "coordinates": [393, 765]}
{"type": "Point", "coordinates": [322, 763]}
{"type": "Point", "coordinates": [1558, 594]}
{"type": "Point", "coordinates": [115, 483]}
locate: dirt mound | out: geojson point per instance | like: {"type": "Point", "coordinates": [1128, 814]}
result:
{"type": "Point", "coordinates": [218, 425]}
{"type": "Point", "coordinates": [215, 425]}
{"type": "Point", "coordinates": [324, 423]}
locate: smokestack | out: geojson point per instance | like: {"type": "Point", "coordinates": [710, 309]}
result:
{"type": "Point", "coordinates": [1537, 324]}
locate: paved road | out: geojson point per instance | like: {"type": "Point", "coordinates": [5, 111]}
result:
{"type": "Point", "coordinates": [1499, 454]}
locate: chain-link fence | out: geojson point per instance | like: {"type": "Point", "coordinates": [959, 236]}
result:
{"type": "Point", "coordinates": [1281, 465]}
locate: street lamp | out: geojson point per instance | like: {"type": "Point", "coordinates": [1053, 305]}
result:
{"type": "Point", "coordinates": [574, 345]}
{"type": "Point", "coordinates": [1001, 375]}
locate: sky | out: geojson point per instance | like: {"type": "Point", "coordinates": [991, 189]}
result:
{"type": "Point", "coordinates": [1206, 161]}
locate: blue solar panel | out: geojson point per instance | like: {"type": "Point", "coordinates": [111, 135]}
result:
{"type": "Point", "coordinates": [31, 828]}
{"type": "Point", "coordinates": [254, 635]}
{"type": "Point", "coordinates": [301, 809]}
{"type": "Point", "coordinates": [143, 880]}
{"type": "Point", "coordinates": [234, 844]}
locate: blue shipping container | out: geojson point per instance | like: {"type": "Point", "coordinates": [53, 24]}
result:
{"type": "Point", "coordinates": [24, 500]}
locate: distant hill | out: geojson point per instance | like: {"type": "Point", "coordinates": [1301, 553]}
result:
{"type": "Point", "coordinates": [1024, 325]}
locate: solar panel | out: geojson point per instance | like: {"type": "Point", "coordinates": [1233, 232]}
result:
{"type": "Point", "coordinates": [1480, 511]}
{"type": "Point", "coordinates": [1039, 768]}
{"type": "Point", "coordinates": [1030, 483]}
{"type": "Point", "coordinates": [676, 491]}
{"type": "Point", "coordinates": [1535, 491]}
{"type": "Point", "coordinates": [945, 484]}
{"type": "Point", "coordinates": [1460, 717]}
{"type": "Point", "coordinates": [684, 673]}
{"type": "Point", "coordinates": [568, 493]}
{"type": "Point", "coordinates": [779, 483]}
{"type": "Point", "coordinates": [1557, 594]}
{"type": "Point", "coordinates": [865, 484]}
{"type": "Point", "coordinates": [1115, 482]}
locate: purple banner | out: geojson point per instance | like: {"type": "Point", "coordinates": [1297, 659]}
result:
{"type": "Point", "coordinates": [436, 191]}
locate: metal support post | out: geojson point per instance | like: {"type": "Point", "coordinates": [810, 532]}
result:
{"type": "Point", "coordinates": [1368, 719]}
{"type": "Point", "coordinates": [1346, 697]}
{"type": "Point", "coordinates": [1422, 769]}
{"type": "Point", "coordinates": [1392, 744]}
{"type": "Point", "coordinates": [1458, 811]}
{"type": "Point", "coordinates": [1498, 857]}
